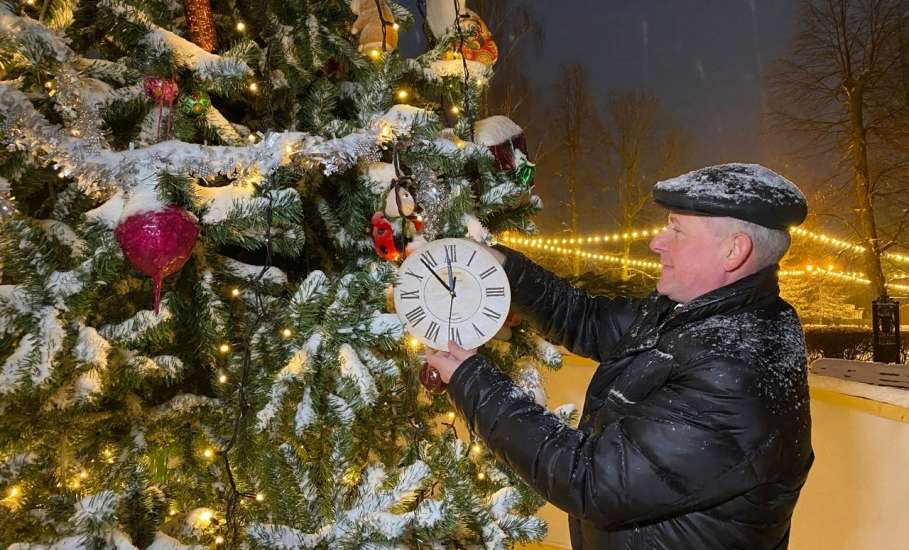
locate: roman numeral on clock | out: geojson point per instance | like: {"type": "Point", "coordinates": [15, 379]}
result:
{"type": "Point", "coordinates": [492, 314]}
{"type": "Point", "coordinates": [433, 331]}
{"type": "Point", "coordinates": [412, 274]}
{"type": "Point", "coordinates": [416, 315]}
{"type": "Point", "coordinates": [488, 272]}
{"type": "Point", "coordinates": [495, 291]}
{"type": "Point", "coordinates": [451, 253]}
{"type": "Point", "coordinates": [471, 257]}
{"type": "Point", "coordinates": [428, 260]}
{"type": "Point", "coordinates": [454, 334]}
{"type": "Point", "coordinates": [410, 295]}
{"type": "Point", "coordinates": [479, 332]}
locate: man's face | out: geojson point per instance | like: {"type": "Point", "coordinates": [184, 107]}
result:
{"type": "Point", "coordinates": [691, 254]}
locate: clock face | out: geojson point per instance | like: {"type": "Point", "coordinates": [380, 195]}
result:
{"type": "Point", "coordinates": [471, 312]}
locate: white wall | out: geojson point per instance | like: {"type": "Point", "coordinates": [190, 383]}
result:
{"type": "Point", "coordinates": [857, 494]}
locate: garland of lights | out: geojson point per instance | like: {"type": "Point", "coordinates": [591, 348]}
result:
{"type": "Point", "coordinates": [638, 234]}
{"type": "Point", "coordinates": [810, 269]}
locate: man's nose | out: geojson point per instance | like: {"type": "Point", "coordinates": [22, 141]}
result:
{"type": "Point", "coordinates": [657, 242]}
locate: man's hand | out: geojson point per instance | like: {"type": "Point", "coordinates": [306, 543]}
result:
{"type": "Point", "coordinates": [448, 362]}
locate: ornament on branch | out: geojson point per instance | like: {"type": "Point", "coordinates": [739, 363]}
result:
{"type": "Point", "coordinates": [431, 379]}
{"type": "Point", "coordinates": [432, 196]}
{"type": "Point", "coordinates": [477, 45]}
{"type": "Point", "coordinates": [194, 104]}
{"type": "Point", "coordinates": [158, 243]}
{"type": "Point", "coordinates": [7, 208]}
{"type": "Point", "coordinates": [472, 42]}
{"type": "Point", "coordinates": [163, 92]}
{"type": "Point", "coordinates": [505, 140]}
{"type": "Point", "coordinates": [398, 227]}
{"type": "Point", "coordinates": [383, 238]}
{"type": "Point", "coordinates": [372, 17]}
{"type": "Point", "coordinates": [201, 24]}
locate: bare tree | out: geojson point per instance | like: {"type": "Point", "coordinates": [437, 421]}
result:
{"type": "Point", "coordinates": [576, 115]}
{"type": "Point", "coordinates": [641, 148]}
{"type": "Point", "coordinates": [837, 90]}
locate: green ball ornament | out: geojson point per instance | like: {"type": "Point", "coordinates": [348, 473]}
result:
{"type": "Point", "coordinates": [194, 104]}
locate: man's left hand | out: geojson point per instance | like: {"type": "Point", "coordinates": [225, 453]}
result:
{"type": "Point", "coordinates": [448, 362]}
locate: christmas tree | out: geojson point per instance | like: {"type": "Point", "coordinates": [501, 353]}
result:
{"type": "Point", "coordinates": [203, 206]}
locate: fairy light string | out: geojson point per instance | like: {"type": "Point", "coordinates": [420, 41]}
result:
{"type": "Point", "coordinates": [261, 313]}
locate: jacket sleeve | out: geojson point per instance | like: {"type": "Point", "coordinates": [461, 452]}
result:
{"type": "Point", "coordinates": [588, 326]}
{"type": "Point", "coordinates": [637, 469]}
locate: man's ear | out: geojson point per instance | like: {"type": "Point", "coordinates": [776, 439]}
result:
{"type": "Point", "coordinates": [738, 252]}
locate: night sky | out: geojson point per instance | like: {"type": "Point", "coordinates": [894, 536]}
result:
{"type": "Point", "coordinates": [706, 60]}
{"type": "Point", "coordinates": [703, 59]}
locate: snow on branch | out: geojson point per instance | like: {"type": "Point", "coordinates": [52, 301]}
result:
{"type": "Point", "coordinates": [26, 28]}
{"type": "Point", "coordinates": [238, 269]}
{"type": "Point", "coordinates": [207, 66]}
{"type": "Point", "coordinates": [184, 404]}
{"type": "Point", "coordinates": [299, 365]}
{"type": "Point", "coordinates": [103, 171]}
{"type": "Point", "coordinates": [35, 353]}
{"type": "Point", "coordinates": [133, 328]}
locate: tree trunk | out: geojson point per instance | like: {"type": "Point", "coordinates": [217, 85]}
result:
{"type": "Point", "coordinates": [573, 202]}
{"type": "Point", "coordinates": [862, 186]}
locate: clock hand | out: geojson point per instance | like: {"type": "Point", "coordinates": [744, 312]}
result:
{"type": "Point", "coordinates": [451, 280]}
{"type": "Point", "coordinates": [436, 275]}
{"type": "Point", "coordinates": [450, 308]}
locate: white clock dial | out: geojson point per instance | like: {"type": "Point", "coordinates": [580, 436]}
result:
{"type": "Point", "coordinates": [467, 305]}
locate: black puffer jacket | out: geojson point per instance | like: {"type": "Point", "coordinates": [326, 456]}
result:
{"type": "Point", "coordinates": [695, 433]}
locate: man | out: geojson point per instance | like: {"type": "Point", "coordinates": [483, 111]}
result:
{"type": "Point", "coordinates": [695, 432]}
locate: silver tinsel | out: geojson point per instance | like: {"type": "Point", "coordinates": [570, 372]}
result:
{"type": "Point", "coordinates": [341, 153]}
{"type": "Point", "coordinates": [80, 117]}
{"type": "Point", "coordinates": [432, 196]}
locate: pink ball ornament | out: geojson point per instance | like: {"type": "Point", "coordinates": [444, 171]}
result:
{"type": "Point", "coordinates": [161, 90]}
{"type": "Point", "coordinates": [158, 243]}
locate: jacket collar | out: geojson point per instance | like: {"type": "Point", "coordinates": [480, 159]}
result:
{"type": "Point", "coordinates": [742, 293]}
{"type": "Point", "coordinates": [659, 312]}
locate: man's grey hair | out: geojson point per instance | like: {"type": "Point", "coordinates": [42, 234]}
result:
{"type": "Point", "coordinates": [768, 245]}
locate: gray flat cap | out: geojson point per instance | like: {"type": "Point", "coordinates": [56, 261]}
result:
{"type": "Point", "coordinates": [747, 192]}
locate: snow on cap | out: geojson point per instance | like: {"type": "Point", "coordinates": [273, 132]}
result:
{"type": "Point", "coordinates": [747, 192]}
